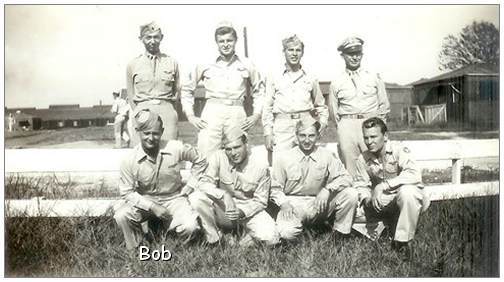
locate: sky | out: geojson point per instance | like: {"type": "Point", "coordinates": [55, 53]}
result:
{"type": "Point", "coordinates": [74, 54]}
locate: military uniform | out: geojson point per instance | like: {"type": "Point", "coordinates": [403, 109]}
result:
{"type": "Point", "coordinates": [153, 82]}
{"type": "Point", "coordinates": [405, 195]}
{"type": "Point", "coordinates": [225, 88]}
{"type": "Point", "coordinates": [249, 185]}
{"type": "Point", "coordinates": [145, 181]}
{"type": "Point", "coordinates": [122, 109]}
{"type": "Point", "coordinates": [298, 179]}
{"type": "Point", "coordinates": [289, 97]}
{"type": "Point", "coordinates": [353, 97]}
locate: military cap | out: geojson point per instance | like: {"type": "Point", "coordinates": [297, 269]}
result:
{"type": "Point", "coordinates": [145, 120]}
{"type": "Point", "coordinates": [292, 39]}
{"type": "Point", "coordinates": [115, 93]}
{"type": "Point", "coordinates": [351, 44]}
{"type": "Point", "coordinates": [224, 24]}
{"type": "Point", "coordinates": [232, 133]}
{"type": "Point", "coordinates": [306, 122]}
{"type": "Point", "coordinates": [149, 28]}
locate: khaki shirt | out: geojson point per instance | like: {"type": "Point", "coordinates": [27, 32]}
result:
{"type": "Point", "coordinates": [295, 174]}
{"type": "Point", "coordinates": [120, 107]}
{"type": "Point", "coordinates": [144, 180]}
{"type": "Point", "coordinates": [290, 93]}
{"type": "Point", "coordinates": [358, 92]}
{"type": "Point", "coordinates": [248, 183]}
{"type": "Point", "coordinates": [151, 77]}
{"type": "Point", "coordinates": [224, 80]}
{"type": "Point", "coordinates": [396, 168]}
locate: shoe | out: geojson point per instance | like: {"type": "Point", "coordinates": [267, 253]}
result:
{"type": "Point", "coordinates": [403, 249]}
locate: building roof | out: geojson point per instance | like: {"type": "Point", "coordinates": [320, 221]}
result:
{"type": "Point", "coordinates": [474, 69]}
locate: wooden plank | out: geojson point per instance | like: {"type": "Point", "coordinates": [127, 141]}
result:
{"type": "Point", "coordinates": [82, 160]}
{"type": "Point", "coordinates": [103, 207]}
{"type": "Point", "coordinates": [457, 165]}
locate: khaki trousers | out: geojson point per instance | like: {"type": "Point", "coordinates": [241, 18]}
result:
{"type": "Point", "coordinates": [260, 227]}
{"type": "Point", "coordinates": [129, 218]}
{"type": "Point", "coordinates": [218, 118]}
{"type": "Point", "coordinates": [341, 208]}
{"type": "Point", "coordinates": [351, 142]}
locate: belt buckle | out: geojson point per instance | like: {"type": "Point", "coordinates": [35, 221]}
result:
{"type": "Point", "coordinates": [360, 116]}
{"type": "Point", "coordinates": [295, 116]}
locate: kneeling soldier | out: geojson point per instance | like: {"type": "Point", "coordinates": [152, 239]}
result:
{"type": "Point", "coordinates": [389, 184]}
{"type": "Point", "coordinates": [151, 186]}
{"type": "Point", "coordinates": [311, 185]}
{"type": "Point", "coordinates": [237, 184]}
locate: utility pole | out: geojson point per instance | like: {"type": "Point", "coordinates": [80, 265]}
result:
{"type": "Point", "coordinates": [245, 42]}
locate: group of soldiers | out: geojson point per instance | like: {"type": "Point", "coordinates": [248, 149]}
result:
{"type": "Point", "coordinates": [230, 186]}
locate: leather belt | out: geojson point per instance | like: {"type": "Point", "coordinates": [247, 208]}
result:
{"type": "Point", "coordinates": [227, 102]}
{"type": "Point", "coordinates": [358, 116]}
{"type": "Point", "coordinates": [156, 102]}
{"type": "Point", "coordinates": [297, 115]}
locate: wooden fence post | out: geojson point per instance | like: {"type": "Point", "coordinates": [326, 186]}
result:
{"type": "Point", "coordinates": [457, 170]}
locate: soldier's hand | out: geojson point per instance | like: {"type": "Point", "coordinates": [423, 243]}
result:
{"type": "Point", "coordinates": [268, 142]}
{"type": "Point", "coordinates": [160, 212]}
{"type": "Point", "coordinates": [186, 190]}
{"type": "Point", "coordinates": [321, 200]}
{"type": "Point", "coordinates": [234, 214]}
{"type": "Point", "coordinates": [197, 122]}
{"type": "Point", "coordinates": [250, 121]}
{"type": "Point", "coordinates": [323, 128]}
{"type": "Point", "coordinates": [287, 211]}
{"type": "Point", "coordinates": [375, 198]}
{"type": "Point", "coordinates": [229, 202]}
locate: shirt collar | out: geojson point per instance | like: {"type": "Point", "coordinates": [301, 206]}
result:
{"type": "Point", "coordinates": [140, 154]}
{"type": "Point", "coordinates": [233, 59]}
{"type": "Point", "coordinates": [287, 68]}
{"type": "Point", "coordinates": [300, 156]}
{"type": "Point", "coordinates": [351, 72]}
{"type": "Point", "coordinates": [152, 57]}
{"type": "Point", "coordinates": [371, 157]}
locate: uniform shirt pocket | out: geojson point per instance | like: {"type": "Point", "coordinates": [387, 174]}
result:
{"type": "Point", "coordinates": [369, 89]}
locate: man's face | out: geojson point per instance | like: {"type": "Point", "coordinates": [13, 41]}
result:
{"type": "Point", "coordinates": [374, 138]}
{"type": "Point", "coordinates": [236, 151]}
{"type": "Point", "coordinates": [307, 138]}
{"type": "Point", "coordinates": [352, 59]}
{"type": "Point", "coordinates": [293, 53]}
{"type": "Point", "coordinates": [226, 44]}
{"type": "Point", "coordinates": [150, 137]}
{"type": "Point", "coordinates": [152, 41]}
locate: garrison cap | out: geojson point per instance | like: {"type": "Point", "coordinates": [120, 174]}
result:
{"type": "Point", "coordinates": [232, 133]}
{"type": "Point", "coordinates": [145, 120]}
{"type": "Point", "coordinates": [149, 28]}
{"type": "Point", "coordinates": [351, 44]}
{"type": "Point", "coordinates": [224, 24]}
{"type": "Point", "coordinates": [292, 39]}
{"type": "Point", "coordinates": [306, 122]}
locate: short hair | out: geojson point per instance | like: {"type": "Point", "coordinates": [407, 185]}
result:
{"type": "Point", "coordinates": [292, 39]}
{"type": "Point", "coordinates": [225, 30]}
{"type": "Point", "coordinates": [300, 125]}
{"type": "Point", "coordinates": [375, 122]}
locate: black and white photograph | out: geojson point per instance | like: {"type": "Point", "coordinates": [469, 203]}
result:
{"type": "Point", "coordinates": [251, 140]}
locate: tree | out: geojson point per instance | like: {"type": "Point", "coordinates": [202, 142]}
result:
{"type": "Point", "coordinates": [477, 43]}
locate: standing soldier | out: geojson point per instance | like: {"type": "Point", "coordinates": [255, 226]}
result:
{"type": "Point", "coordinates": [121, 109]}
{"type": "Point", "coordinates": [226, 81]}
{"type": "Point", "coordinates": [153, 81]}
{"type": "Point", "coordinates": [355, 94]}
{"type": "Point", "coordinates": [237, 184]}
{"type": "Point", "coordinates": [290, 96]}
{"type": "Point", "coordinates": [389, 184]}
{"type": "Point", "coordinates": [151, 187]}
{"type": "Point", "coordinates": [310, 185]}
{"type": "Point", "coordinates": [11, 122]}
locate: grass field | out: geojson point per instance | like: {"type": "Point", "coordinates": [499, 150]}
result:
{"type": "Point", "coordinates": [458, 238]}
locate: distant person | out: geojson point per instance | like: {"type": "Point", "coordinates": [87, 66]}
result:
{"type": "Point", "coordinates": [311, 186]}
{"type": "Point", "coordinates": [11, 121]}
{"type": "Point", "coordinates": [238, 185]}
{"type": "Point", "coordinates": [291, 95]}
{"type": "Point", "coordinates": [390, 184]}
{"type": "Point", "coordinates": [226, 80]}
{"type": "Point", "coordinates": [121, 109]}
{"type": "Point", "coordinates": [355, 95]}
{"type": "Point", "coordinates": [153, 81]}
{"type": "Point", "coordinates": [151, 186]}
